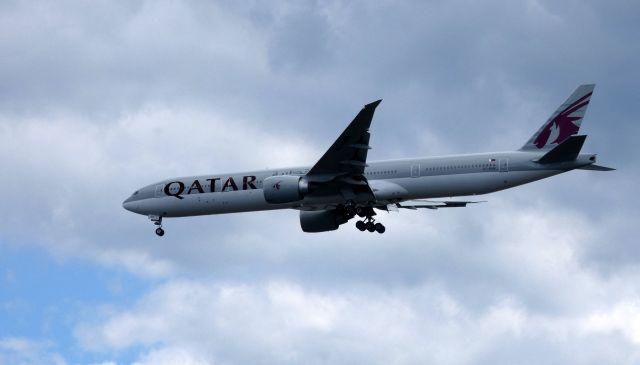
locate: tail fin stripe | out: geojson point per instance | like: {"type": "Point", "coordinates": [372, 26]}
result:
{"type": "Point", "coordinates": [581, 99]}
{"type": "Point", "coordinates": [573, 107]}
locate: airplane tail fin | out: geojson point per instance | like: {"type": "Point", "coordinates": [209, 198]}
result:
{"type": "Point", "coordinates": [563, 123]}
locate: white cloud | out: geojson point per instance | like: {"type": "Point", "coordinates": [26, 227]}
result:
{"type": "Point", "coordinates": [282, 322]}
{"type": "Point", "coordinates": [23, 351]}
{"type": "Point", "coordinates": [170, 356]}
{"type": "Point", "coordinates": [624, 317]}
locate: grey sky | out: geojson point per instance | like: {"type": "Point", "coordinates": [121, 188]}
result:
{"type": "Point", "coordinates": [99, 98]}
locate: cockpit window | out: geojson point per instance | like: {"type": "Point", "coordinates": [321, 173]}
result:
{"type": "Point", "coordinates": [136, 193]}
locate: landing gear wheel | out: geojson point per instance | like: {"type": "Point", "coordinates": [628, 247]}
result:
{"type": "Point", "coordinates": [379, 228]}
{"type": "Point", "coordinates": [370, 226]}
{"type": "Point", "coordinates": [157, 220]}
{"type": "Point", "coordinates": [361, 225]}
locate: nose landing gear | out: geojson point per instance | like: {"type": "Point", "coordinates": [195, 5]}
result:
{"type": "Point", "coordinates": [157, 220]}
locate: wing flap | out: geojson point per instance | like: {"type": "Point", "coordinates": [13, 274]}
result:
{"type": "Point", "coordinates": [426, 204]}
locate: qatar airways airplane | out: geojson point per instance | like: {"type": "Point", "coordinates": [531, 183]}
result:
{"type": "Point", "coordinates": [343, 184]}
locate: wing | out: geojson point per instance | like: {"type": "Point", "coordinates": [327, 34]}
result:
{"type": "Point", "coordinates": [348, 154]}
{"type": "Point", "coordinates": [341, 168]}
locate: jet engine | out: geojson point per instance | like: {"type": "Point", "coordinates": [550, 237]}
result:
{"type": "Point", "coordinates": [284, 189]}
{"type": "Point", "coordinates": [321, 220]}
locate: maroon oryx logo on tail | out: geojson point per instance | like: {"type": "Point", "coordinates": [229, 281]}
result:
{"type": "Point", "coordinates": [562, 124]}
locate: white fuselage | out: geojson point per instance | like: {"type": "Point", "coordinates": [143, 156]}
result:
{"type": "Point", "coordinates": [391, 181]}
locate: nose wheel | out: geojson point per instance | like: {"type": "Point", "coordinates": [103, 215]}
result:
{"type": "Point", "coordinates": [157, 220]}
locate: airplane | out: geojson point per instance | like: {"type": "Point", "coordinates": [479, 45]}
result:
{"type": "Point", "coordinates": [342, 184]}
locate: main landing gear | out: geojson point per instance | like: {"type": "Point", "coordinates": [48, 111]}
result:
{"type": "Point", "coordinates": [370, 225]}
{"type": "Point", "coordinates": [157, 220]}
{"type": "Point", "coordinates": [350, 210]}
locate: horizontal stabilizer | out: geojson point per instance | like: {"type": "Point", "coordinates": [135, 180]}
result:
{"type": "Point", "coordinates": [565, 151]}
{"type": "Point", "coordinates": [596, 168]}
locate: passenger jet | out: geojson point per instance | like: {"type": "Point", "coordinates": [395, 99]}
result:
{"type": "Point", "coordinates": [342, 184]}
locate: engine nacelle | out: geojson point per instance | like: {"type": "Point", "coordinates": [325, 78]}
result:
{"type": "Point", "coordinates": [284, 189]}
{"type": "Point", "coordinates": [321, 220]}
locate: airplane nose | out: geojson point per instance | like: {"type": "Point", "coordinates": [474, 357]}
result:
{"type": "Point", "coordinates": [128, 204]}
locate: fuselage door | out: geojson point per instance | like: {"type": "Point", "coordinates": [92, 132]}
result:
{"type": "Point", "coordinates": [159, 191]}
{"type": "Point", "coordinates": [503, 165]}
{"type": "Point", "coordinates": [415, 170]}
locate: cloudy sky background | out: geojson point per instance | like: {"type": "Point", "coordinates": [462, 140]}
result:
{"type": "Point", "coordinates": [99, 98]}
